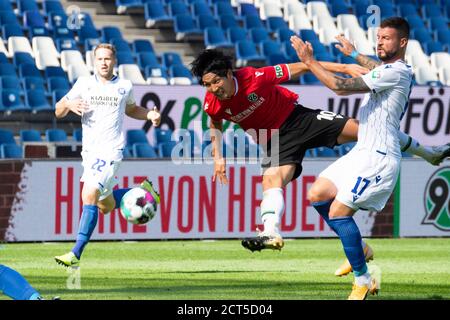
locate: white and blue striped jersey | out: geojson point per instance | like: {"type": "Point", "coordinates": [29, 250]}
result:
{"type": "Point", "coordinates": [102, 124]}
{"type": "Point", "coordinates": [383, 108]}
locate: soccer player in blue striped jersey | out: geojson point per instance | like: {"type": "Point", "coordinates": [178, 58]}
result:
{"type": "Point", "coordinates": [366, 176]}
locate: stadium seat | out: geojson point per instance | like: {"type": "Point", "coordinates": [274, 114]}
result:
{"type": "Point", "coordinates": [10, 151]}
{"type": "Point", "coordinates": [440, 60]}
{"type": "Point", "coordinates": [22, 57]}
{"type": "Point", "coordinates": [215, 38]}
{"type": "Point", "coordinates": [343, 149]}
{"type": "Point", "coordinates": [276, 58]}
{"type": "Point", "coordinates": [7, 136]}
{"type": "Point", "coordinates": [33, 83]}
{"type": "Point", "coordinates": [236, 34]}
{"type": "Point", "coordinates": [165, 149]}
{"type": "Point", "coordinates": [176, 8]}
{"type": "Point", "coordinates": [204, 21]}
{"type": "Point", "coordinates": [71, 57]}
{"type": "Point", "coordinates": [123, 6]}
{"type": "Point", "coordinates": [257, 35]}
{"type": "Point", "coordinates": [155, 15]}
{"type": "Point", "coordinates": [142, 45]}
{"type": "Point", "coordinates": [309, 79]}
{"type": "Point", "coordinates": [77, 134]}
{"type": "Point", "coordinates": [19, 44]}
{"type": "Point", "coordinates": [421, 35]}
{"type": "Point", "coordinates": [426, 76]}
{"type": "Point", "coordinates": [186, 29]}
{"type": "Point", "coordinates": [162, 135]}
{"type": "Point", "coordinates": [26, 5]}
{"type": "Point", "coordinates": [12, 30]}
{"type": "Point", "coordinates": [228, 21]}
{"type": "Point", "coordinates": [37, 101]}
{"type": "Point", "coordinates": [431, 10]}
{"type": "Point", "coordinates": [10, 82]}
{"type": "Point", "coordinates": [110, 32]}
{"type": "Point", "coordinates": [6, 5]}
{"type": "Point", "coordinates": [223, 7]}
{"type": "Point", "coordinates": [12, 101]}
{"type": "Point", "coordinates": [270, 10]}
{"type": "Point", "coordinates": [247, 9]}
{"type": "Point", "coordinates": [253, 21]}
{"type": "Point", "coordinates": [246, 53]}
{"type": "Point", "coordinates": [276, 23]}
{"type": "Point", "coordinates": [325, 152]}
{"type": "Point", "coordinates": [65, 44]}
{"type": "Point", "coordinates": [54, 72]}
{"type": "Point", "coordinates": [58, 83]}
{"type": "Point", "coordinates": [200, 8]}
{"type": "Point", "coordinates": [7, 69]}
{"type": "Point", "coordinates": [180, 75]}
{"type": "Point", "coordinates": [171, 58]}
{"type": "Point", "coordinates": [30, 135]}
{"type": "Point", "coordinates": [55, 135]}
{"type": "Point", "coordinates": [444, 75]}
{"type": "Point", "coordinates": [33, 19]}
{"type": "Point", "coordinates": [269, 47]}
{"type": "Point", "coordinates": [52, 6]}
{"type": "Point", "coordinates": [124, 58]}
{"type": "Point", "coordinates": [438, 23]}
{"type": "Point", "coordinates": [144, 150]}
{"type": "Point", "coordinates": [407, 9]}
{"type": "Point", "coordinates": [156, 74]}
{"type": "Point", "coordinates": [432, 47]}
{"type": "Point", "coordinates": [136, 136]}
{"type": "Point", "coordinates": [58, 95]}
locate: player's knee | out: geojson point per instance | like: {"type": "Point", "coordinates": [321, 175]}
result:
{"type": "Point", "coordinates": [317, 194]}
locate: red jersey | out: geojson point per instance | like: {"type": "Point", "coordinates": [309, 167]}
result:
{"type": "Point", "coordinates": [259, 103]}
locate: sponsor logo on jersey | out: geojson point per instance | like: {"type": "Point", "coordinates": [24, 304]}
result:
{"type": "Point", "coordinates": [437, 200]}
{"type": "Point", "coordinates": [228, 111]}
{"type": "Point", "coordinates": [206, 106]}
{"type": "Point", "coordinates": [278, 71]}
{"type": "Point", "coordinates": [252, 97]}
{"type": "Point", "coordinates": [257, 74]}
{"type": "Point", "coordinates": [376, 74]}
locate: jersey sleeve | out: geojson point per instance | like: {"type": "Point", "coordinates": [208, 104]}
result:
{"type": "Point", "coordinates": [381, 78]}
{"type": "Point", "coordinates": [274, 74]}
{"type": "Point", "coordinates": [130, 98]}
{"type": "Point", "coordinates": [208, 107]}
{"type": "Point", "coordinates": [77, 90]}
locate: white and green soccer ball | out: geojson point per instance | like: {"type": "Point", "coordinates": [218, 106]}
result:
{"type": "Point", "coordinates": [138, 206]}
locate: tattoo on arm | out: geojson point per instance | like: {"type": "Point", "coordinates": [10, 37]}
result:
{"type": "Point", "coordinates": [367, 62]}
{"type": "Point", "coordinates": [351, 84]}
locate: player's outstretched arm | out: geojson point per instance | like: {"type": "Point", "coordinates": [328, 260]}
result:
{"type": "Point", "coordinates": [63, 106]}
{"type": "Point", "coordinates": [354, 70]}
{"type": "Point", "coordinates": [140, 113]}
{"type": "Point", "coordinates": [349, 50]}
{"type": "Point", "coordinates": [220, 166]}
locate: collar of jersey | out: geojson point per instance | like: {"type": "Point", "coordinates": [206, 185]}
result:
{"type": "Point", "coordinates": [237, 85]}
{"type": "Point", "coordinates": [114, 78]}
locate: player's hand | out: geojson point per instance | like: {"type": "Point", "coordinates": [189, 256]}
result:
{"type": "Point", "coordinates": [344, 46]}
{"type": "Point", "coordinates": [154, 116]}
{"type": "Point", "coordinates": [220, 171]}
{"type": "Point", "coordinates": [304, 50]}
{"type": "Point", "coordinates": [355, 70]}
{"type": "Point", "coordinates": [77, 106]}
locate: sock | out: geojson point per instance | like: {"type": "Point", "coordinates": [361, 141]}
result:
{"type": "Point", "coordinates": [323, 208]}
{"type": "Point", "coordinates": [348, 232]}
{"type": "Point", "coordinates": [14, 285]}
{"type": "Point", "coordinates": [363, 280]}
{"type": "Point", "coordinates": [272, 207]}
{"type": "Point", "coordinates": [118, 195]}
{"type": "Point", "coordinates": [412, 146]}
{"type": "Point", "coordinates": [87, 225]}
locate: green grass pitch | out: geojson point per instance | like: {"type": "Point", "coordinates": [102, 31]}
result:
{"type": "Point", "coordinates": [411, 269]}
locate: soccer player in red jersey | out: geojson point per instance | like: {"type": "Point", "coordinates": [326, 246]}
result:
{"type": "Point", "coordinates": [285, 129]}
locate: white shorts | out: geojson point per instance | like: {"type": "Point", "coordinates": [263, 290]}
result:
{"type": "Point", "coordinates": [364, 179]}
{"type": "Point", "coordinates": [100, 173]}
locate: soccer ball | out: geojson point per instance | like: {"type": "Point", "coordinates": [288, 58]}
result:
{"type": "Point", "coordinates": [138, 206]}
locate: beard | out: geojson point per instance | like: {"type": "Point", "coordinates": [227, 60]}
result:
{"type": "Point", "coordinates": [387, 56]}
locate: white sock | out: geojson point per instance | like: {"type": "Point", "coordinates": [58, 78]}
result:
{"type": "Point", "coordinates": [272, 208]}
{"type": "Point", "coordinates": [412, 146]}
{"type": "Point", "coordinates": [363, 280]}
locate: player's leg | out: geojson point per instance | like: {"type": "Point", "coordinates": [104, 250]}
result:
{"type": "Point", "coordinates": [321, 195]}
{"type": "Point", "coordinates": [15, 286]}
{"type": "Point", "coordinates": [272, 208]}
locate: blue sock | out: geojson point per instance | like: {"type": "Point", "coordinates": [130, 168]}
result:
{"type": "Point", "coordinates": [15, 286]}
{"type": "Point", "coordinates": [87, 225]}
{"type": "Point", "coordinates": [118, 195]}
{"type": "Point", "coordinates": [323, 208]}
{"type": "Point", "coordinates": [348, 232]}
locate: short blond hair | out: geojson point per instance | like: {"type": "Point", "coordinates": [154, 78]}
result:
{"type": "Point", "coordinates": [106, 46]}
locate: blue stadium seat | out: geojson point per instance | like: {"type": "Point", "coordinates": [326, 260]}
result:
{"type": "Point", "coordinates": [339, 7]}
{"type": "Point", "coordinates": [7, 69]}
{"type": "Point", "coordinates": [170, 59]}
{"type": "Point", "coordinates": [214, 37]}
{"type": "Point", "coordinates": [431, 10]}
{"type": "Point", "coordinates": [65, 44]}
{"type": "Point", "coordinates": [3, 58]}
{"type": "Point", "coordinates": [247, 9]}
{"type": "Point", "coordinates": [432, 46]}
{"type": "Point", "coordinates": [121, 45]}
{"type": "Point", "coordinates": [33, 83]}
{"type": "Point", "coordinates": [269, 47]}
{"type": "Point", "coordinates": [443, 36]}
{"type": "Point", "coordinates": [58, 83]}
{"type": "Point", "coordinates": [438, 23]}
{"type": "Point", "coordinates": [199, 7]}
{"type": "Point", "coordinates": [12, 30]}
{"type": "Point", "coordinates": [26, 5]}
{"type": "Point", "coordinates": [136, 136]}
{"type": "Point", "coordinates": [253, 21]}
{"type": "Point", "coordinates": [155, 71]}
{"type": "Point", "coordinates": [37, 101]}
{"type": "Point", "coordinates": [124, 58]}
{"type": "Point", "coordinates": [86, 20]}
{"type": "Point", "coordinates": [22, 57]}
{"type": "Point", "coordinates": [124, 5]}
{"type": "Point", "coordinates": [246, 52]}
{"type": "Point", "coordinates": [90, 44]}
{"type": "Point", "coordinates": [77, 134]}
{"type": "Point", "coordinates": [8, 17]}
{"type": "Point", "coordinates": [29, 70]}
{"type": "Point", "coordinates": [33, 19]}
{"type": "Point", "coordinates": [30, 135]}
{"type": "Point", "coordinates": [142, 45]}
{"type": "Point", "coordinates": [62, 32]}
{"type": "Point", "coordinates": [145, 59]}
{"type": "Point", "coordinates": [57, 19]}
{"type": "Point", "coordinates": [12, 101]}
{"type": "Point", "coordinates": [110, 32]}
{"type": "Point", "coordinates": [223, 7]}
{"type": "Point", "coordinates": [185, 28]}
{"type": "Point", "coordinates": [407, 9]}
{"type": "Point", "coordinates": [6, 136]}
{"type": "Point", "coordinates": [415, 22]}
{"type": "Point", "coordinates": [165, 148]}
{"type": "Point", "coordinates": [205, 21]}
{"type": "Point", "coordinates": [162, 135]}
{"type": "Point", "coordinates": [326, 57]}
{"type": "Point", "coordinates": [5, 5]}
{"type": "Point", "coordinates": [228, 21]}
{"type": "Point", "coordinates": [10, 82]}
{"type": "Point", "coordinates": [288, 51]}
{"type": "Point", "coordinates": [325, 152]}
{"type": "Point", "coordinates": [284, 34]}
{"type": "Point", "coordinates": [87, 32]}
{"type": "Point", "coordinates": [55, 135]}
{"type": "Point", "coordinates": [276, 58]}
{"type": "Point", "coordinates": [258, 35]}
{"type": "Point", "coordinates": [58, 95]}
{"type": "Point", "coordinates": [308, 35]}
{"type": "Point", "coordinates": [236, 34]}
{"type": "Point", "coordinates": [343, 149]}
{"type": "Point", "coordinates": [155, 14]}
{"type": "Point", "coordinates": [421, 35]}
{"type": "Point", "coordinates": [276, 23]}
{"type": "Point", "coordinates": [10, 151]}
{"type": "Point", "coordinates": [52, 6]}
{"type": "Point", "coordinates": [143, 150]}
{"type": "Point", "coordinates": [179, 70]}
{"type": "Point", "coordinates": [178, 7]}
{"type": "Point", "coordinates": [54, 72]}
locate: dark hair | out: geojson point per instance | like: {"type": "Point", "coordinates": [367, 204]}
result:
{"type": "Point", "coordinates": [211, 60]}
{"type": "Point", "coordinates": [397, 23]}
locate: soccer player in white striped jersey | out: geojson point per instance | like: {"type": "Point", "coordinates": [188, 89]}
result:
{"type": "Point", "coordinates": [101, 100]}
{"type": "Point", "coordinates": [366, 176]}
